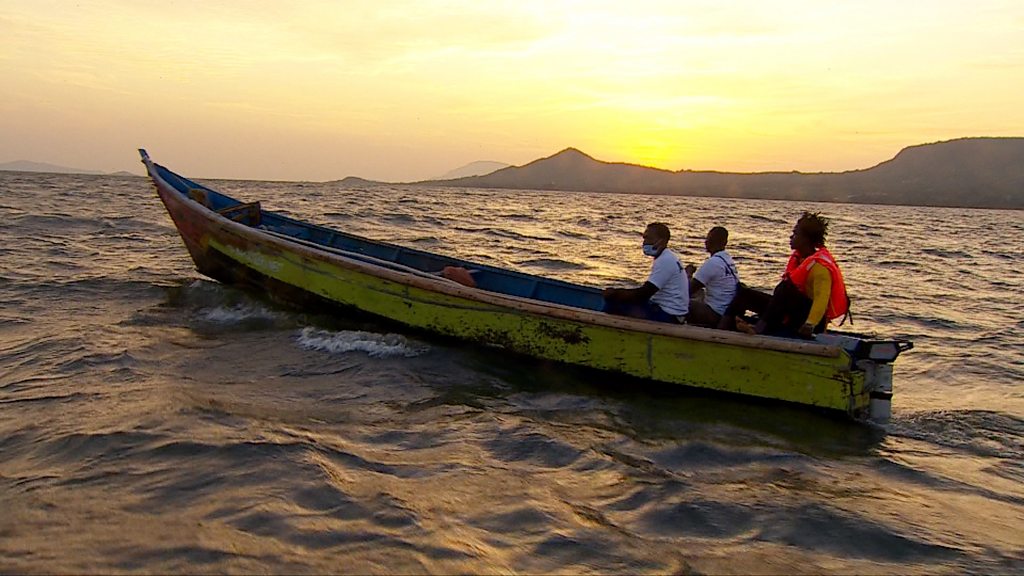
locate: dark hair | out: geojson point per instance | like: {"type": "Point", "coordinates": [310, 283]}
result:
{"type": "Point", "coordinates": [814, 226]}
{"type": "Point", "coordinates": [719, 234]}
{"type": "Point", "coordinates": [660, 229]}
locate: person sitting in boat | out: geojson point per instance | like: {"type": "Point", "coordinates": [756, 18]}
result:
{"type": "Point", "coordinates": [665, 296]}
{"type": "Point", "coordinates": [812, 291]}
{"type": "Point", "coordinates": [717, 277]}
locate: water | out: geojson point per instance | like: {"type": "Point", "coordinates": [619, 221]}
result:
{"type": "Point", "coordinates": [155, 421]}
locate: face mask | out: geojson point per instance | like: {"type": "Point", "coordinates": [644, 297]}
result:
{"type": "Point", "coordinates": [650, 250]}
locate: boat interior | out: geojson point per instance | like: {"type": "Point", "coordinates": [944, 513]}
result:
{"type": "Point", "coordinates": [396, 257]}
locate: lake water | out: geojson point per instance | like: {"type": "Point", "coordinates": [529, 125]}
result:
{"type": "Point", "coordinates": [152, 420]}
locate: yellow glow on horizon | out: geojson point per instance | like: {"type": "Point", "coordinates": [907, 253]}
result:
{"type": "Point", "coordinates": [410, 89]}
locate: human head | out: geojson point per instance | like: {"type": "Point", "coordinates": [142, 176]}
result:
{"type": "Point", "coordinates": [809, 233]}
{"type": "Point", "coordinates": [717, 239]}
{"type": "Point", "coordinates": [657, 234]}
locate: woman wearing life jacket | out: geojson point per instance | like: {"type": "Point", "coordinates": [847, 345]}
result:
{"type": "Point", "coordinates": [812, 291]}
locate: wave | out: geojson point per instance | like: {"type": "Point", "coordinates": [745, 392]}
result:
{"type": "Point", "coordinates": [944, 253]}
{"type": "Point", "coordinates": [101, 285]}
{"type": "Point", "coordinates": [92, 362]}
{"type": "Point", "coordinates": [238, 313]}
{"type": "Point", "coordinates": [55, 222]}
{"type": "Point", "coordinates": [12, 320]}
{"type": "Point", "coordinates": [517, 217]}
{"type": "Point", "coordinates": [240, 317]}
{"type": "Point", "coordinates": [502, 233]}
{"type": "Point", "coordinates": [375, 345]}
{"type": "Point", "coordinates": [763, 218]}
{"type": "Point", "coordinates": [575, 235]}
{"type": "Point", "coordinates": [553, 264]}
{"type": "Point", "coordinates": [400, 218]}
{"type": "Point", "coordinates": [897, 263]}
{"type": "Point", "coordinates": [197, 292]}
{"type": "Point", "coordinates": [210, 307]}
{"type": "Point", "coordinates": [975, 432]}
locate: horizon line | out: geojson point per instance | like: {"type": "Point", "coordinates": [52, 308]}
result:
{"type": "Point", "coordinates": [93, 172]}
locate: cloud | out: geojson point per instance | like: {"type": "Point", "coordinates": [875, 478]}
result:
{"type": "Point", "coordinates": [1001, 62]}
{"type": "Point", "coordinates": [369, 33]}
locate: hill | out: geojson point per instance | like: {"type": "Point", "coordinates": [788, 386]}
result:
{"type": "Point", "coordinates": [356, 182]}
{"type": "Point", "coordinates": [26, 166]}
{"type": "Point", "coordinates": [478, 168]}
{"type": "Point", "coordinates": [968, 172]}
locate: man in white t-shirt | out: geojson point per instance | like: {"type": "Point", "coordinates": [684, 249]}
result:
{"type": "Point", "coordinates": [665, 296]}
{"type": "Point", "coordinates": [718, 278]}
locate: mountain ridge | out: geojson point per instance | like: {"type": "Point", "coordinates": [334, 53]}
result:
{"type": "Point", "coordinates": [478, 168]}
{"type": "Point", "coordinates": [969, 172]}
{"type": "Point", "coordinates": [980, 172]}
{"type": "Point", "coordinates": [29, 166]}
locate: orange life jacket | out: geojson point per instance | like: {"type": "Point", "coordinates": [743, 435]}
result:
{"type": "Point", "coordinates": [797, 271]}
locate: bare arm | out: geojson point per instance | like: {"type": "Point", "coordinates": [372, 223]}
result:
{"type": "Point", "coordinates": [641, 294]}
{"type": "Point", "coordinates": [695, 285]}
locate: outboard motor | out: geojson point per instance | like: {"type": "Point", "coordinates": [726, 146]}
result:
{"type": "Point", "coordinates": [878, 380]}
{"type": "Point", "coordinates": [875, 358]}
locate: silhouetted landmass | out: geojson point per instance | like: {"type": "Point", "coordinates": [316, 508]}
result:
{"type": "Point", "coordinates": [968, 172]}
{"type": "Point", "coordinates": [26, 166]}
{"type": "Point", "coordinates": [478, 168]}
{"type": "Point", "coordinates": [45, 167]}
{"type": "Point", "coordinates": [355, 182]}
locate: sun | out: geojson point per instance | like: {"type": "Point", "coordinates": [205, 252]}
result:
{"type": "Point", "coordinates": [651, 154]}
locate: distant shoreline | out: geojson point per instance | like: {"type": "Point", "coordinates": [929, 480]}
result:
{"type": "Point", "coordinates": [967, 172]}
{"type": "Point", "coordinates": [507, 190]}
{"type": "Point", "coordinates": [982, 173]}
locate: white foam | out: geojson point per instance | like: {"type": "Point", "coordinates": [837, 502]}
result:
{"type": "Point", "coordinates": [237, 313]}
{"type": "Point", "coordinates": [375, 345]}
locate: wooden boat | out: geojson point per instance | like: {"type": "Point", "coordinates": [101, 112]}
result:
{"type": "Point", "coordinates": [235, 242]}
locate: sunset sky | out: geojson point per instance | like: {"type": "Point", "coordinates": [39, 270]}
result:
{"type": "Point", "coordinates": [407, 90]}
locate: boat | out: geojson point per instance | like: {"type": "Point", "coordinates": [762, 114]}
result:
{"type": "Point", "coordinates": [237, 242]}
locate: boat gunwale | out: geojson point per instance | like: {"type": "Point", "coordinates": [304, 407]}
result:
{"type": "Point", "coordinates": [445, 286]}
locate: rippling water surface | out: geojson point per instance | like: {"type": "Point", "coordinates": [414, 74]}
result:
{"type": "Point", "coordinates": [152, 420]}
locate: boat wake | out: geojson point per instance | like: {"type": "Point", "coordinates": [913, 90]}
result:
{"type": "Point", "coordinates": [979, 433]}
